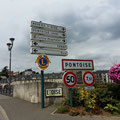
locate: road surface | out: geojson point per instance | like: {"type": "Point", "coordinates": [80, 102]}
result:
{"type": "Point", "coordinates": [1, 117]}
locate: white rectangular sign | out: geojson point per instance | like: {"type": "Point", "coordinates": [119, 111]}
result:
{"type": "Point", "coordinates": [49, 52]}
{"type": "Point", "coordinates": [47, 45]}
{"type": "Point", "coordinates": [47, 26]}
{"type": "Point", "coordinates": [54, 92]}
{"type": "Point", "coordinates": [76, 64]}
{"type": "Point", "coordinates": [48, 39]}
{"type": "Point", "coordinates": [48, 33]}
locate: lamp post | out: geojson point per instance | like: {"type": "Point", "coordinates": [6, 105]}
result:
{"type": "Point", "coordinates": [10, 45]}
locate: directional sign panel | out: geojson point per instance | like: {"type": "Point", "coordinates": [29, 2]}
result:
{"type": "Point", "coordinates": [47, 26]}
{"type": "Point", "coordinates": [48, 33]}
{"type": "Point", "coordinates": [70, 79]}
{"type": "Point", "coordinates": [49, 52]}
{"type": "Point", "coordinates": [48, 39]}
{"type": "Point", "coordinates": [76, 64]}
{"type": "Point", "coordinates": [88, 78]}
{"type": "Point", "coordinates": [47, 45]}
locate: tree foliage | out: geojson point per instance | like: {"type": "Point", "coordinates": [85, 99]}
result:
{"type": "Point", "coordinates": [4, 71]}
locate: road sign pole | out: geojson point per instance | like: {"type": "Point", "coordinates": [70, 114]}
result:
{"type": "Point", "coordinates": [71, 101]}
{"type": "Point", "coordinates": [42, 88]}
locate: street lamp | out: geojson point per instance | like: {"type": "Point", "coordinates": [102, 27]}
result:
{"type": "Point", "coordinates": [10, 45]}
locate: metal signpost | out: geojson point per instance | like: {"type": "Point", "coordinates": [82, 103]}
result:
{"type": "Point", "coordinates": [47, 39]}
{"type": "Point", "coordinates": [43, 63]}
{"type": "Point", "coordinates": [70, 80]}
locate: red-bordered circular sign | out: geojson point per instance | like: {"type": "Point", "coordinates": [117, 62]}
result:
{"type": "Point", "coordinates": [88, 78]}
{"type": "Point", "coordinates": [70, 79]}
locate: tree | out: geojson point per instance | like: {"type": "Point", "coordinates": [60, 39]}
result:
{"type": "Point", "coordinates": [4, 71]}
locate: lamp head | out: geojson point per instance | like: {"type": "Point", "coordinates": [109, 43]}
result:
{"type": "Point", "coordinates": [9, 46]}
{"type": "Point", "coordinates": [12, 40]}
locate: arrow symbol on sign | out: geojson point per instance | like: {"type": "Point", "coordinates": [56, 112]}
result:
{"type": "Point", "coordinates": [63, 34]}
{"type": "Point", "coordinates": [35, 50]}
{"type": "Point", "coordinates": [63, 40]}
{"type": "Point", "coordinates": [35, 43]}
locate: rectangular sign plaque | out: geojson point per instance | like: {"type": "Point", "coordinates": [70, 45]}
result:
{"type": "Point", "coordinates": [76, 64]}
{"type": "Point", "coordinates": [54, 92]}
{"type": "Point", "coordinates": [49, 52]}
{"type": "Point", "coordinates": [48, 39]}
{"type": "Point", "coordinates": [48, 33]}
{"type": "Point", "coordinates": [48, 45]}
{"type": "Point", "coordinates": [47, 26]}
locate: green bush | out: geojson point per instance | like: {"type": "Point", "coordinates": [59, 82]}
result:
{"type": "Point", "coordinates": [62, 109]}
{"type": "Point", "coordinates": [104, 96]}
{"type": "Point", "coordinates": [107, 94]}
{"type": "Point", "coordinates": [66, 101]}
{"type": "Point", "coordinates": [111, 108]}
{"type": "Point", "coordinates": [74, 112]}
{"type": "Point", "coordinates": [97, 111]}
{"type": "Point", "coordinates": [75, 97]}
{"type": "Point", "coordinates": [113, 88]}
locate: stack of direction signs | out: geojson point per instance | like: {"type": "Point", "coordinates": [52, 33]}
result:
{"type": "Point", "coordinates": [48, 39]}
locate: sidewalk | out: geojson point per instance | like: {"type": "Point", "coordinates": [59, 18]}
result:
{"type": "Point", "coordinates": [17, 109]}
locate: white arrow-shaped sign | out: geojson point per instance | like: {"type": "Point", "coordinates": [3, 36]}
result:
{"type": "Point", "coordinates": [47, 45]}
{"type": "Point", "coordinates": [49, 52]}
{"type": "Point", "coordinates": [48, 39]}
{"type": "Point", "coordinates": [47, 26]}
{"type": "Point", "coordinates": [48, 33]}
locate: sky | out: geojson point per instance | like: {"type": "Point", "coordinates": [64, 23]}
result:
{"type": "Point", "coordinates": [93, 31]}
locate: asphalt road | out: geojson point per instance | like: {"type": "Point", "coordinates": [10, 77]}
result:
{"type": "Point", "coordinates": [1, 117]}
{"type": "Point", "coordinates": [17, 109]}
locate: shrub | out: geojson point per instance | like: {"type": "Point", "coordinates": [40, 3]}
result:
{"type": "Point", "coordinates": [107, 94]}
{"type": "Point", "coordinates": [74, 112]}
{"type": "Point", "coordinates": [66, 101]}
{"type": "Point", "coordinates": [75, 97]}
{"type": "Point", "coordinates": [111, 108]}
{"type": "Point", "coordinates": [62, 109]}
{"type": "Point", "coordinates": [103, 96]}
{"type": "Point", "coordinates": [97, 111]}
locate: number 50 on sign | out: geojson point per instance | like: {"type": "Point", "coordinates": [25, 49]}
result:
{"type": "Point", "coordinates": [70, 79]}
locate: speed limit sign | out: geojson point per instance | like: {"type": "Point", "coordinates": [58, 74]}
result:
{"type": "Point", "coordinates": [88, 78]}
{"type": "Point", "coordinates": [70, 79]}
